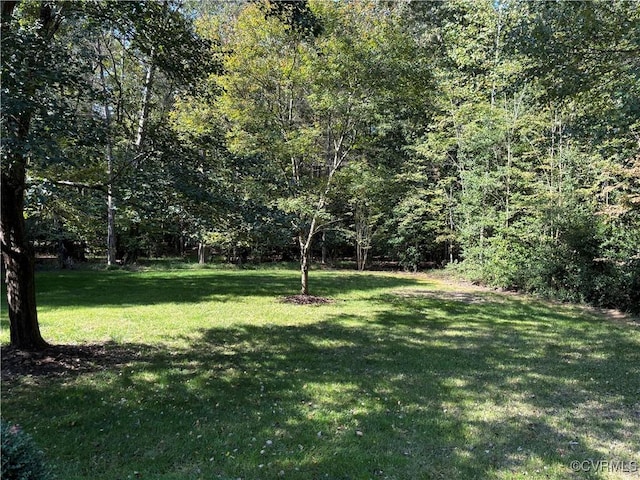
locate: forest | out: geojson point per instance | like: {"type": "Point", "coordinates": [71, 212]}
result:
{"type": "Point", "coordinates": [497, 138]}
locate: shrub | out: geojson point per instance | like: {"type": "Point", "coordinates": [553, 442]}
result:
{"type": "Point", "coordinates": [21, 457]}
{"type": "Point", "coordinates": [410, 259]}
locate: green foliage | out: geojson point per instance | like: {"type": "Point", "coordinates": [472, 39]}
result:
{"type": "Point", "coordinates": [502, 136]}
{"type": "Point", "coordinates": [295, 14]}
{"type": "Point", "coordinates": [44, 74]}
{"type": "Point", "coordinates": [21, 457]}
{"type": "Point", "coordinates": [521, 155]}
{"type": "Point", "coordinates": [571, 266]}
{"type": "Point", "coordinates": [81, 83]}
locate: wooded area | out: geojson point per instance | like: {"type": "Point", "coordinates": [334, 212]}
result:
{"type": "Point", "coordinates": [501, 137]}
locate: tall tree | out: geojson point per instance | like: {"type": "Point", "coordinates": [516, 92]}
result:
{"type": "Point", "coordinates": [538, 155]}
{"type": "Point", "coordinates": [51, 111]}
{"type": "Point", "coordinates": [149, 52]}
{"type": "Point", "coordinates": [29, 66]}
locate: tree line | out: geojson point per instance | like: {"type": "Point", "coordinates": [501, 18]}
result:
{"type": "Point", "coordinates": [501, 138]}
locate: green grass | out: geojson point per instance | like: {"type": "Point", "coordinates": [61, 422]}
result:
{"type": "Point", "coordinates": [402, 377]}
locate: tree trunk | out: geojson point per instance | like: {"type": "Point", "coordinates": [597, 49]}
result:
{"type": "Point", "coordinates": [146, 101]}
{"type": "Point", "coordinates": [111, 216]}
{"type": "Point", "coordinates": [111, 207]}
{"type": "Point", "coordinates": [202, 253]}
{"type": "Point", "coordinates": [304, 266]}
{"type": "Point", "coordinates": [363, 237]}
{"type": "Point", "coordinates": [365, 254]}
{"type": "Point", "coordinates": [324, 248]}
{"type": "Point", "coordinates": [19, 262]}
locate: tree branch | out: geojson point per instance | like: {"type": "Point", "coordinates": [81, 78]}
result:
{"type": "Point", "coordinates": [68, 183]}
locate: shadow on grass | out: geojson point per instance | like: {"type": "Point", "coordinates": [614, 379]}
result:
{"type": "Point", "coordinates": [95, 288]}
{"type": "Point", "coordinates": [419, 390]}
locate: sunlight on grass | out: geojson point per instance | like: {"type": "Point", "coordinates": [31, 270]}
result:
{"type": "Point", "coordinates": [400, 377]}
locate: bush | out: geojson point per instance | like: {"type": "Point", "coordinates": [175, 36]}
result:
{"type": "Point", "coordinates": [410, 259]}
{"type": "Point", "coordinates": [500, 262]}
{"type": "Point", "coordinates": [21, 458]}
{"type": "Point", "coordinates": [572, 268]}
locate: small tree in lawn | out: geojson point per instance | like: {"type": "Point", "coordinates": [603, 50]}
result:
{"type": "Point", "coordinates": [306, 104]}
{"type": "Point", "coordinates": [267, 85]}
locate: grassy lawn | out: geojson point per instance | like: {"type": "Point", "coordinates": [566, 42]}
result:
{"type": "Point", "coordinates": [401, 377]}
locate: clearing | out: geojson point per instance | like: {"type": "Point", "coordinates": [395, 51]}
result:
{"type": "Point", "coordinates": [207, 373]}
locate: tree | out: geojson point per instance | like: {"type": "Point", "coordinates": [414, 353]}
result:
{"type": "Point", "coordinates": [51, 112]}
{"type": "Point", "coordinates": [307, 105]}
{"type": "Point", "coordinates": [366, 192]}
{"type": "Point", "coordinates": [149, 52]}
{"type": "Point", "coordinates": [30, 54]}
{"type": "Point", "coordinates": [594, 89]}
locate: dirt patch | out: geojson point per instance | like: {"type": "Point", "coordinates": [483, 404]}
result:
{"type": "Point", "coordinates": [615, 316]}
{"type": "Point", "coordinates": [463, 297]}
{"type": "Point", "coordinates": [63, 360]}
{"type": "Point", "coordinates": [306, 300]}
